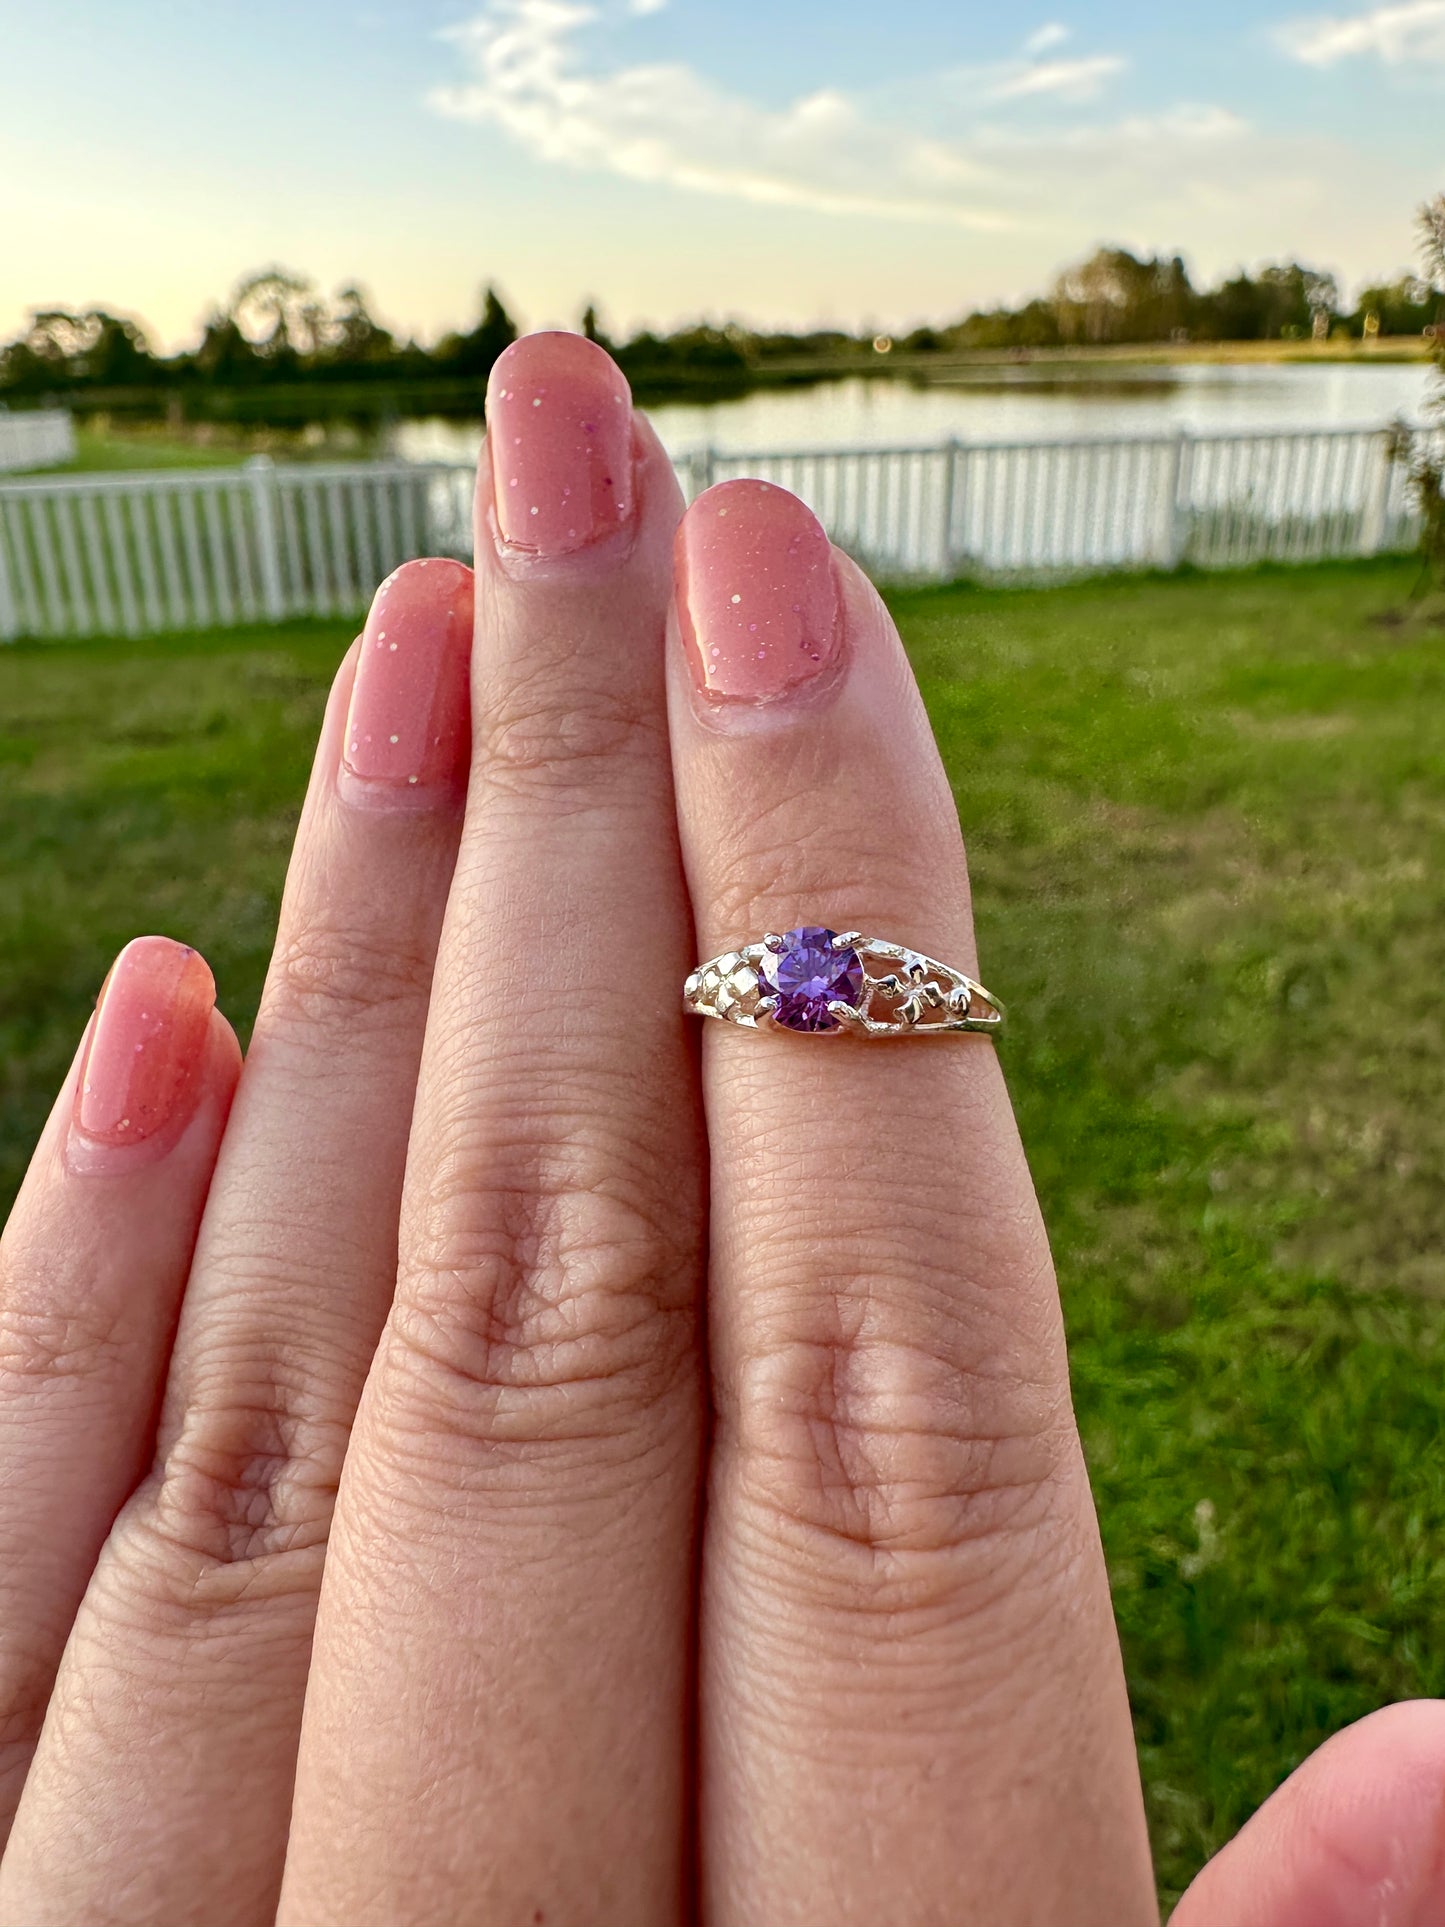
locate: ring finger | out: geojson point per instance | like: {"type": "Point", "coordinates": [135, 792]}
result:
{"type": "Point", "coordinates": [912, 1701]}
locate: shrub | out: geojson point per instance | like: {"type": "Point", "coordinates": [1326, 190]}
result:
{"type": "Point", "coordinates": [1428, 469]}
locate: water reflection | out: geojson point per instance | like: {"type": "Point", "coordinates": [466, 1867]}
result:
{"type": "Point", "coordinates": [1024, 403]}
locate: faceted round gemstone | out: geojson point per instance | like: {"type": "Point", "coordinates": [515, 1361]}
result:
{"type": "Point", "coordinates": [808, 974]}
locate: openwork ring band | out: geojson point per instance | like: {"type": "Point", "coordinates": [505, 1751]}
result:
{"type": "Point", "coordinates": [818, 980]}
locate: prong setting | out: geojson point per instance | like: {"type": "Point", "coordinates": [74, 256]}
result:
{"type": "Point", "coordinates": [789, 982]}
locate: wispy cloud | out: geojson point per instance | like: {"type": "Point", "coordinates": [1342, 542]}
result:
{"type": "Point", "coordinates": [1409, 30]}
{"type": "Point", "coordinates": [1066, 79]}
{"type": "Point", "coordinates": [1043, 39]}
{"type": "Point", "coordinates": [538, 74]}
{"type": "Point", "coordinates": [664, 122]}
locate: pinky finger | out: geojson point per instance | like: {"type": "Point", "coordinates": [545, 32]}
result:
{"type": "Point", "coordinates": [93, 1263]}
{"type": "Point", "coordinates": [1355, 1835]}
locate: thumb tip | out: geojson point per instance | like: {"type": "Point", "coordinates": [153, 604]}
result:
{"type": "Point", "coordinates": [1354, 1838]}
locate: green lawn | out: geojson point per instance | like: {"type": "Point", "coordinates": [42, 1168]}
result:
{"type": "Point", "coordinates": [1207, 821]}
{"type": "Point", "coordinates": [130, 447]}
{"type": "Point", "coordinates": [108, 450]}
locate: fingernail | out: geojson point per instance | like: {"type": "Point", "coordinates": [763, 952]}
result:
{"type": "Point", "coordinates": [146, 1043]}
{"type": "Point", "coordinates": [408, 729]}
{"type": "Point", "coordinates": [559, 426]}
{"type": "Point", "coordinates": [756, 597]}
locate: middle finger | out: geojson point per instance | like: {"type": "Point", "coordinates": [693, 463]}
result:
{"type": "Point", "coordinates": [495, 1725]}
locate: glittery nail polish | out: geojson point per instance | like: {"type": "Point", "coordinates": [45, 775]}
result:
{"type": "Point", "coordinates": [756, 596]}
{"type": "Point", "coordinates": [408, 728]}
{"type": "Point", "coordinates": [146, 1044]}
{"type": "Point", "coordinates": [559, 427]}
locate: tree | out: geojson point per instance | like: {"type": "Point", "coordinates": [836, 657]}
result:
{"type": "Point", "coordinates": [280, 314]}
{"type": "Point", "coordinates": [1280, 303]}
{"type": "Point", "coordinates": [593, 329]}
{"type": "Point", "coordinates": [224, 355]}
{"type": "Point", "coordinates": [351, 337]}
{"type": "Point", "coordinates": [1115, 296]}
{"type": "Point", "coordinates": [93, 349]}
{"type": "Point", "coordinates": [1408, 305]}
{"type": "Point", "coordinates": [473, 354]}
{"type": "Point", "coordinates": [676, 360]}
{"type": "Point", "coordinates": [117, 353]}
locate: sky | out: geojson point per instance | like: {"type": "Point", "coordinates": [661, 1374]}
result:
{"type": "Point", "coordinates": [789, 162]}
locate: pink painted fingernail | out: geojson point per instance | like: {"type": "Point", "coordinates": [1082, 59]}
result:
{"type": "Point", "coordinates": [408, 730]}
{"type": "Point", "coordinates": [147, 1042]}
{"type": "Point", "coordinates": [756, 597]}
{"type": "Point", "coordinates": [559, 426]}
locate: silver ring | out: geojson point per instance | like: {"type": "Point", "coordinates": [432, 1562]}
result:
{"type": "Point", "coordinates": [814, 979]}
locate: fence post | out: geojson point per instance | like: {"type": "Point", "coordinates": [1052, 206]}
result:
{"type": "Point", "coordinates": [1377, 495]}
{"type": "Point", "coordinates": [950, 490]}
{"type": "Point", "coordinates": [261, 473]}
{"type": "Point", "coordinates": [9, 610]}
{"type": "Point", "coordinates": [701, 469]}
{"type": "Point", "coordinates": [1169, 527]}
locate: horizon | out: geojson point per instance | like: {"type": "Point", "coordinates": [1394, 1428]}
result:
{"type": "Point", "coordinates": [634, 154]}
{"type": "Point", "coordinates": [1349, 300]}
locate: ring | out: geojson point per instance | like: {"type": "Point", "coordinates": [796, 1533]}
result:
{"type": "Point", "coordinates": [814, 979]}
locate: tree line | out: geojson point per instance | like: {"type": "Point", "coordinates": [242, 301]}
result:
{"type": "Point", "coordinates": [1115, 297]}
{"type": "Point", "coordinates": [278, 329]}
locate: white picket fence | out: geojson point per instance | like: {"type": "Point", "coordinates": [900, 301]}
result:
{"type": "Point", "coordinates": [42, 439]}
{"type": "Point", "coordinates": [201, 548]}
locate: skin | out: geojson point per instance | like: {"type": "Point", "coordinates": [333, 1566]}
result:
{"type": "Point", "coordinates": [524, 1460]}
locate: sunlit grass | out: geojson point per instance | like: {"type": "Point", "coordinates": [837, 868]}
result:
{"type": "Point", "coordinates": [148, 445]}
{"type": "Point", "coordinates": [127, 447]}
{"type": "Point", "coordinates": [1207, 829]}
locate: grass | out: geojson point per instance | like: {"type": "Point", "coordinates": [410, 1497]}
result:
{"type": "Point", "coordinates": [108, 450]}
{"type": "Point", "coordinates": [103, 446]}
{"type": "Point", "coordinates": [1208, 843]}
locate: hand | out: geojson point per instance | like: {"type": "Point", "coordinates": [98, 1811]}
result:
{"type": "Point", "coordinates": [384, 1387]}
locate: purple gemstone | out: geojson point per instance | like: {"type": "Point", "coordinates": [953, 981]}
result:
{"type": "Point", "coordinates": [808, 974]}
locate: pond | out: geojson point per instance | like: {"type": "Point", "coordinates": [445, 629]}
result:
{"type": "Point", "coordinates": [1029, 402]}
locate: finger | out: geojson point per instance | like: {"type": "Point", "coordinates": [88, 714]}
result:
{"type": "Point", "coordinates": [92, 1265]}
{"type": "Point", "coordinates": [167, 1761]}
{"type": "Point", "coordinates": [912, 1702]}
{"type": "Point", "coordinates": [1356, 1834]}
{"type": "Point", "coordinates": [495, 1728]}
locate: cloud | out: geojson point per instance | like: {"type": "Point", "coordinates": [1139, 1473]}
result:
{"type": "Point", "coordinates": [536, 75]}
{"type": "Point", "coordinates": [646, 6]}
{"type": "Point", "coordinates": [1187, 126]}
{"type": "Point", "coordinates": [1410, 30]}
{"type": "Point", "coordinates": [665, 123]}
{"type": "Point", "coordinates": [1043, 38]}
{"type": "Point", "coordinates": [1068, 79]}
